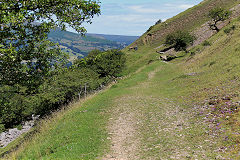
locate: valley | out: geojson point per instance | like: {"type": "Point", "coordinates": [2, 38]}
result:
{"type": "Point", "coordinates": [142, 106]}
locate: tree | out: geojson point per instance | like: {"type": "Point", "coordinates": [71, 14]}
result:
{"type": "Point", "coordinates": [26, 56]}
{"type": "Point", "coordinates": [158, 22]}
{"type": "Point", "coordinates": [92, 54]}
{"type": "Point", "coordinates": [107, 63]}
{"type": "Point", "coordinates": [179, 40]}
{"type": "Point", "coordinates": [217, 15]}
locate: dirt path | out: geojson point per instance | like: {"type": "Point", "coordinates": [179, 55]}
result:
{"type": "Point", "coordinates": [124, 127]}
{"type": "Point", "coordinates": [145, 125]}
{"type": "Point", "coordinates": [123, 131]}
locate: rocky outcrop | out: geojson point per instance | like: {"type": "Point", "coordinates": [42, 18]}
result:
{"type": "Point", "coordinates": [12, 134]}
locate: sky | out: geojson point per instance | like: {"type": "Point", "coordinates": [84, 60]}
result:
{"type": "Point", "coordinates": [134, 17]}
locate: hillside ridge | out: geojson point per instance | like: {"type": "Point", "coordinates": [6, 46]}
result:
{"type": "Point", "coordinates": [195, 15]}
{"type": "Point", "coordinates": [187, 108]}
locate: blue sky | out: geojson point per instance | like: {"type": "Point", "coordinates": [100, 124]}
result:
{"type": "Point", "coordinates": [134, 17]}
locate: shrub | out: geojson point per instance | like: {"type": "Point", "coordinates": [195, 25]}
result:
{"type": "Point", "coordinates": [64, 88]}
{"type": "Point", "coordinates": [2, 127]}
{"type": "Point", "coordinates": [158, 22]}
{"type": "Point", "coordinates": [206, 43]}
{"type": "Point", "coordinates": [180, 40]}
{"type": "Point", "coordinates": [228, 30]}
{"type": "Point", "coordinates": [192, 53]}
{"type": "Point", "coordinates": [13, 108]}
{"type": "Point", "coordinates": [16, 107]}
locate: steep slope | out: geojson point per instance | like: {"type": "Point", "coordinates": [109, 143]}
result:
{"type": "Point", "coordinates": [184, 109]}
{"type": "Point", "coordinates": [189, 20]}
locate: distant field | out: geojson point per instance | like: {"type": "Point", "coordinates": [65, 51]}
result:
{"type": "Point", "coordinates": [78, 46]}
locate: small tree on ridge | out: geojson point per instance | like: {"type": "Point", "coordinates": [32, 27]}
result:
{"type": "Point", "coordinates": [217, 15]}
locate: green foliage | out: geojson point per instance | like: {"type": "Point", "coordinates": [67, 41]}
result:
{"type": "Point", "coordinates": [180, 40]}
{"type": "Point", "coordinates": [2, 127]}
{"type": "Point", "coordinates": [14, 106]}
{"type": "Point", "coordinates": [64, 88]}
{"type": "Point", "coordinates": [61, 89]}
{"type": "Point", "coordinates": [206, 43]}
{"type": "Point", "coordinates": [93, 53]}
{"type": "Point", "coordinates": [217, 15]}
{"type": "Point", "coordinates": [29, 62]}
{"type": "Point", "coordinates": [27, 57]}
{"type": "Point", "coordinates": [229, 29]}
{"type": "Point", "coordinates": [93, 71]}
{"type": "Point", "coordinates": [107, 64]}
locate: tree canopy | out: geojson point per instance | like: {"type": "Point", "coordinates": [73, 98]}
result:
{"type": "Point", "coordinates": [217, 15]}
{"type": "Point", "coordinates": [106, 63]}
{"type": "Point", "coordinates": [180, 40]}
{"type": "Point", "coordinates": [26, 56]}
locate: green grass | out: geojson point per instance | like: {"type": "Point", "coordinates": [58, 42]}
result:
{"type": "Point", "coordinates": [188, 20]}
{"type": "Point", "coordinates": [80, 131]}
{"type": "Point", "coordinates": [217, 74]}
{"type": "Point", "coordinates": [76, 134]}
{"type": "Point", "coordinates": [165, 99]}
{"type": "Point", "coordinates": [13, 145]}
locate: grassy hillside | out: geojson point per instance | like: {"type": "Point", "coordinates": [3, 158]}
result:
{"type": "Point", "coordinates": [187, 108]}
{"type": "Point", "coordinates": [187, 20]}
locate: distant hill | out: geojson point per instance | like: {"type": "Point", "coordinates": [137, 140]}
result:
{"type": "Point", "coordinates": [78, 46]}
{"type": "Point", "coordinates": [117, 38]}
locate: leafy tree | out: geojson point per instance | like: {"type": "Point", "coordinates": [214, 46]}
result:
{"type": "Point", "coordinates": [180, 40]}
{"type": "Point", "coordinates": [93, 53]}
{"type": "Point", "coordinates": [110, 63]}
{"type": "Point", "coordinates": [26, 56]}
{"type": "Point", "coordinates": [107, 63]}
{"type": "Point", "coordinates": [217, 15]}
{"type": "Point", "coordinates": [53, 93]}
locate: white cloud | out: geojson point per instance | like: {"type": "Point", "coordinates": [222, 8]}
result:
{"type": "Point", "coordinates": [132, 18]}
{"type": "Point", "coordinates": [146, 10]}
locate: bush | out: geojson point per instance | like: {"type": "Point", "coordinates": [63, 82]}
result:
{"type": "Point", "coordinates": [180, 40]}
{"type": "Point", "coordinates": [2, 127]}
{"type": "Point", "coordinates": [13, 106]}
{"type": "Point", "coordinates": [206, 43]}
{"type": "Point", "coordinates": [16, 107]}
{"type": "Point", "coordinates": [158, 22]}
{"type": "Point", "coordinates": [228, 30]}
{"type": "Point", "coordinates": [64, 88]}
